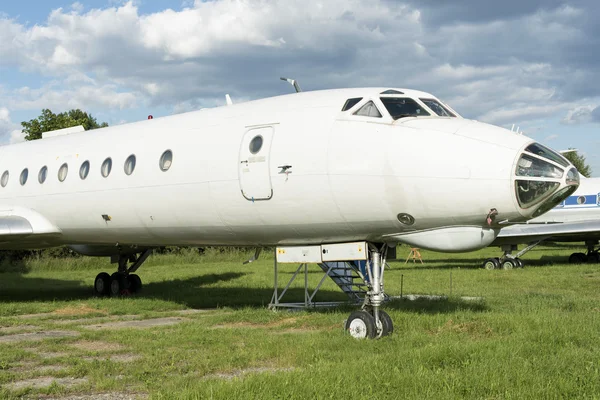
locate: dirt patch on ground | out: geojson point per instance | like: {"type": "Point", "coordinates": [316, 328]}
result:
{"type": "Point", "coordinates": [139, 324]}
{"type": "Point", "coordinates": [82, 309]}
{"type": "Point", "coordinates": [20, 337]}
{"type": "Point", "coordinates": [251, 325]}
{"type": "Point", "coordinates": [97, 345]}
{"type": "Point", "coordinates": [239, 373]}
{"type": "Point", "coordinates": [121, 358]}
{"type": "Point", "coordinates": [100, 396]}
{"type": "Point", "coordinates": [32, 316]}
{"type": "Point", "coordinates": [94, 320]}
{"type": "Point", "coordinates": [31, 366]}
{"type": "Point", "coordinates": [191, 311]}
{"type": "Point", "coordinates": [473, 329]}
{"type": "Point", "coordinates": [44, 382]}
{"type": "Point", "coordinates": [296, 331]}
{"type": "Point", "coordinates": [18, 328]}
{"type": "Point", "coordinates": [46, 354]}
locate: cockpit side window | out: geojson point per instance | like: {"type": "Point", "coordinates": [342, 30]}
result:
{"type": "Point", "coordinates": [437, 108]}
{"type": "Point", "coordinates": [351, 103]}
{"type": "Point", "coordinates": [400, 107]}
{"type": "Point", "coordinates": [368, 110]}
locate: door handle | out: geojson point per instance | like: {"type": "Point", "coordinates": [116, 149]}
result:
{"type": "Point", "coordinates": [245, 161]}
{"type": "Point", "coordinates": [284, 169]}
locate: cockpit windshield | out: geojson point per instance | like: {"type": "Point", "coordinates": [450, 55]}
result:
{"type": "Point", "coordinates": [545, 152]}
{"type": "Point", "coordinates": [400, 107]}
{"type": "Point", "coordinates": [534, 167]}
{"type": "Point", "coordinates": [437, 108]}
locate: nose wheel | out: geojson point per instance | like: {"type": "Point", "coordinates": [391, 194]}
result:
{"type": "Point", "coordinates": [371, 322]}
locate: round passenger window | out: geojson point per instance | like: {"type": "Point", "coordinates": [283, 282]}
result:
{"type": "Point", "coordinates": [43, 174]}
{"type": "Point", "coordinates": [256, 144]}
{"type": "Point", "coordinates": [581, 200]}
{"type": "Point", "coordinates": [62, 172]}
{"type": "Point", "coordinates": [24, 176]}
{"type": "Point", "coordinates": [106, 167]}
{"type": "Point", "coordinates": [130, 164]}
{"type": "Point", "coordinates": [166, 160]}
{"type": "Point", "coordinates": [4, 179]}
{"type": "Point", "coordinates": [84, 170]}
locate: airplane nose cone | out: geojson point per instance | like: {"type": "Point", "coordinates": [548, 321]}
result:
{"type": "Point", "coordinates": [543, 179]}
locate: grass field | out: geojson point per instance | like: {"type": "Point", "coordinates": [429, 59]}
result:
{"type": "Point", "coordinates": [535, 334]}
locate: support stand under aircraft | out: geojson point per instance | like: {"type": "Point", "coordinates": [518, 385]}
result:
{"type": "Point", "coordinates": [345, 264]}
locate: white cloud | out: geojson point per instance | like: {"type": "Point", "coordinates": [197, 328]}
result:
{"type": "Point", "coordinates": [579, 114]}
{"type": "Point", "coordinates": [514, 69]}
{"type": "Point", "coordinates": [59, 98]}
{"type": "Point", "coordinates": [9, 131]}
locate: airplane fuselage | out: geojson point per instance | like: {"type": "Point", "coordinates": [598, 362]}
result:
{"type": "Point", "coordinates": [318, 175]}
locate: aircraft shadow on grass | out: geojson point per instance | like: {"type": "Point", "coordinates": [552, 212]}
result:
{"type": "Point", "coordinates": [199, 292]}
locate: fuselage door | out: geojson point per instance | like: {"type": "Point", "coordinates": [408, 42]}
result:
{"type": "Point", "coordinates": [255, 179]}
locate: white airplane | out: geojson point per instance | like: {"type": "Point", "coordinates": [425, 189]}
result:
{"type": "Point", "coordinates": [374, 165]}
{"type": "Point", "coordinates": [576, 219]}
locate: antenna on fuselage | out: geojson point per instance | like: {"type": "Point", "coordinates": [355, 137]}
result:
{"type": "Point", "coordinates": [294, 83]}
{"type": "Point", "coordinates": [228, 100]}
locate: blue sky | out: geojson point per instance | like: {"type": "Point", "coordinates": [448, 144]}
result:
{"type": "Point", "coordinates": [535, 64]}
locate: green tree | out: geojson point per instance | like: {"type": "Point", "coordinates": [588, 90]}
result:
{"type": "Point", "coordinates": [578, 161]}
{"type": "Point", "coordinates": [48, 121]}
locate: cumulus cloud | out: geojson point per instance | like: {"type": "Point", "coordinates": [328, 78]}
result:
{"type": "Point", "coordinates": [503, 63]}
{"type": "Point", "coordinates": [579, 115]}
{"type": "Point", "coordinates": [9, 131]}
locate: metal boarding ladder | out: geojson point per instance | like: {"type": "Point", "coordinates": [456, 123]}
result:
{"type": "Point", "coordinates": [348, 275]}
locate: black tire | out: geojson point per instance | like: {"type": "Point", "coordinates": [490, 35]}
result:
{"type": "Point", "coordinates": [509, 264]}
{"type": "Point", "coordinates": [519, 262]}
{"type": "Point", "coordinates": [491, 263]}
{"type": "Point", "coordinates": [361, 325]}
{"type": "Point", "coordinates": [135, 283]}
{"type": "Point", "coordinates": [593, 257]}
{"type": "Point", "coordinates": [577, 258]}
{"type": "Point", "coordinates": [118, 284]}
{"type": "Point", "coordinates": [386, 322]}
{"type": "Point", "coordinates": [102, 284]}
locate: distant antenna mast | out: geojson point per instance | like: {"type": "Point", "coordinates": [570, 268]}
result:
{"type": "Point", "coordinates": [294, 83]}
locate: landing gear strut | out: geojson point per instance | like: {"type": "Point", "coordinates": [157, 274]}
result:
{"type": "Point", "coordinates": [124, 281]}
{"type": "Point", "coordinates": [508, 260]}
{"type": "Point", "coordinates": [371, 322]}
{"type": "Point", "coordinates": [592, 256]}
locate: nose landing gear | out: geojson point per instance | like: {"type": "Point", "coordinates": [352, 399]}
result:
{"type": "Point", "coordinates": [124, 281]}
{"type": "Point", "coordinates": [371, 322]}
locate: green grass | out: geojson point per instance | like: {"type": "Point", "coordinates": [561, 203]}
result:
{"type": "Point", "coordinates": [534, 335]}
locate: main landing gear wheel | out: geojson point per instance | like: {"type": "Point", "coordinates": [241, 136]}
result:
{"type": "Point", "coordinates": [118, 284]}
{"type": "Point", "coordinates": [519, 262]}
{"type": "Point", "coordinates": [361, 325]}
{"type": "Point", "coordinates": [135, 283]}
{"type": "Point", "coordinates": [593, 257]}
{"type": "Point", "coordinates": [578, 258]}
{"type": "Point", "coordinates": [124, 281]}
{"type": "Point", "coordinates": [491, 263]}
{"type": "Point", "coordinates": [102, 284]}
{"type": "Point", "coordinates": [509, 264]}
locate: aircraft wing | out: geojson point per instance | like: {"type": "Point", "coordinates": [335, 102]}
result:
{"type": "Point", "coordinates": [560, 232]}
{"type": "Point", "coordinates": [18, 223]}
